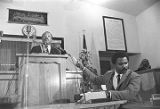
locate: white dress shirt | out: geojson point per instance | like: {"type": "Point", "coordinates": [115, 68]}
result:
{"type": "Point", "coordinates": [45, 49]}
{"type": "Point", "coordinates": [49, 48]}
{"type": "Point", "coordinates": [115, 82]}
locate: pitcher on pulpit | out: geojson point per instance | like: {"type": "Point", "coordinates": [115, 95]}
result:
{"type": "Point", "coordinates": [47, 46]}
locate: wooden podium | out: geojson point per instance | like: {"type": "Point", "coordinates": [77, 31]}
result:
{"type": "Point", "coordinates": [42, 78]}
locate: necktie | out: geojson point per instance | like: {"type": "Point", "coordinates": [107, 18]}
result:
{"type": "Point", "coordinates": [118, 78]}
{"type": "Point", "coordinates": [46, 49]}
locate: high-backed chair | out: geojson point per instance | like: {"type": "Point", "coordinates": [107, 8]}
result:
{"type": "Point", "coordinates": [150, 85]}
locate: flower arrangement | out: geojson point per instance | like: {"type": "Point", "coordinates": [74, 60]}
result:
{"type": "Point", "coordinates": [85, 59]}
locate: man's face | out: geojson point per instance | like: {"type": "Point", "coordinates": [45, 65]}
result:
{"type": "Point", "coordinates": [121, 65]}
{"type": "Point", "coordinates": [46, 39]}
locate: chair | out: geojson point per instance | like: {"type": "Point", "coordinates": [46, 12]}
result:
{"type": "Point", "coordinates": [150, 85]}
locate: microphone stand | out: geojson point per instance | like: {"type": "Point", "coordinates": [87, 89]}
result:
{"type": "Point", "coordinates": [77, 97]}
{"type": "Point", "coordinates": [27, 30]}
{"type": "Point", "coordinates": [74, 60]}
{"type": "Point", "coordinates": [26, 75]}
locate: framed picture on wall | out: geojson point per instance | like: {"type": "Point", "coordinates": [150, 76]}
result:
{"type": "Point", "coordinates": [27, 17]}
{"type": "Point", "coordinates": [114, 33]}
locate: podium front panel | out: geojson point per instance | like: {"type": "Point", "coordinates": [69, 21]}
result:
{"type": "Point", "coordinates": [42, 79]}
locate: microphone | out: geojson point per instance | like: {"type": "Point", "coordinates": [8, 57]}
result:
{"type": "Point", "coordinates": [65, 52]}
{"type": "Point", "coordinates": [28, 30]}
{"type": "Point", "coordinates": [62, 50]}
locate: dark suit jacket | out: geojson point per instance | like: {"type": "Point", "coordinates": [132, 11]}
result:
{"type": "Point", "coordinates": [127, 89]}
{"type": "Point", "coordinates": [37, 49]}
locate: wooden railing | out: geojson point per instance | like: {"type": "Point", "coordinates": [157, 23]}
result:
{"type": "Point", "coordinates": [150, 83]}
{"type": "Point", "coordinates": [149, 70]}
{"type": "Point", "coordinates": [5, 75]}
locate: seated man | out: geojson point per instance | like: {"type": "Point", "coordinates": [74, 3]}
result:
{"type": "Point", "coordinates": [121, 82]}
{"type": "Point", "coordinates": [46, 46]}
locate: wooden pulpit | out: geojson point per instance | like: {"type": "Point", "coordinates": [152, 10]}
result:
{"type": "Point", "coordinates": [42, 78]}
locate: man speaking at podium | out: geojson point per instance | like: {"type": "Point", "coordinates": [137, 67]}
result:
{"type": "Point", "coordinates": [46, 46]}
{"type": "Point", "coordinates": [121, 82]}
